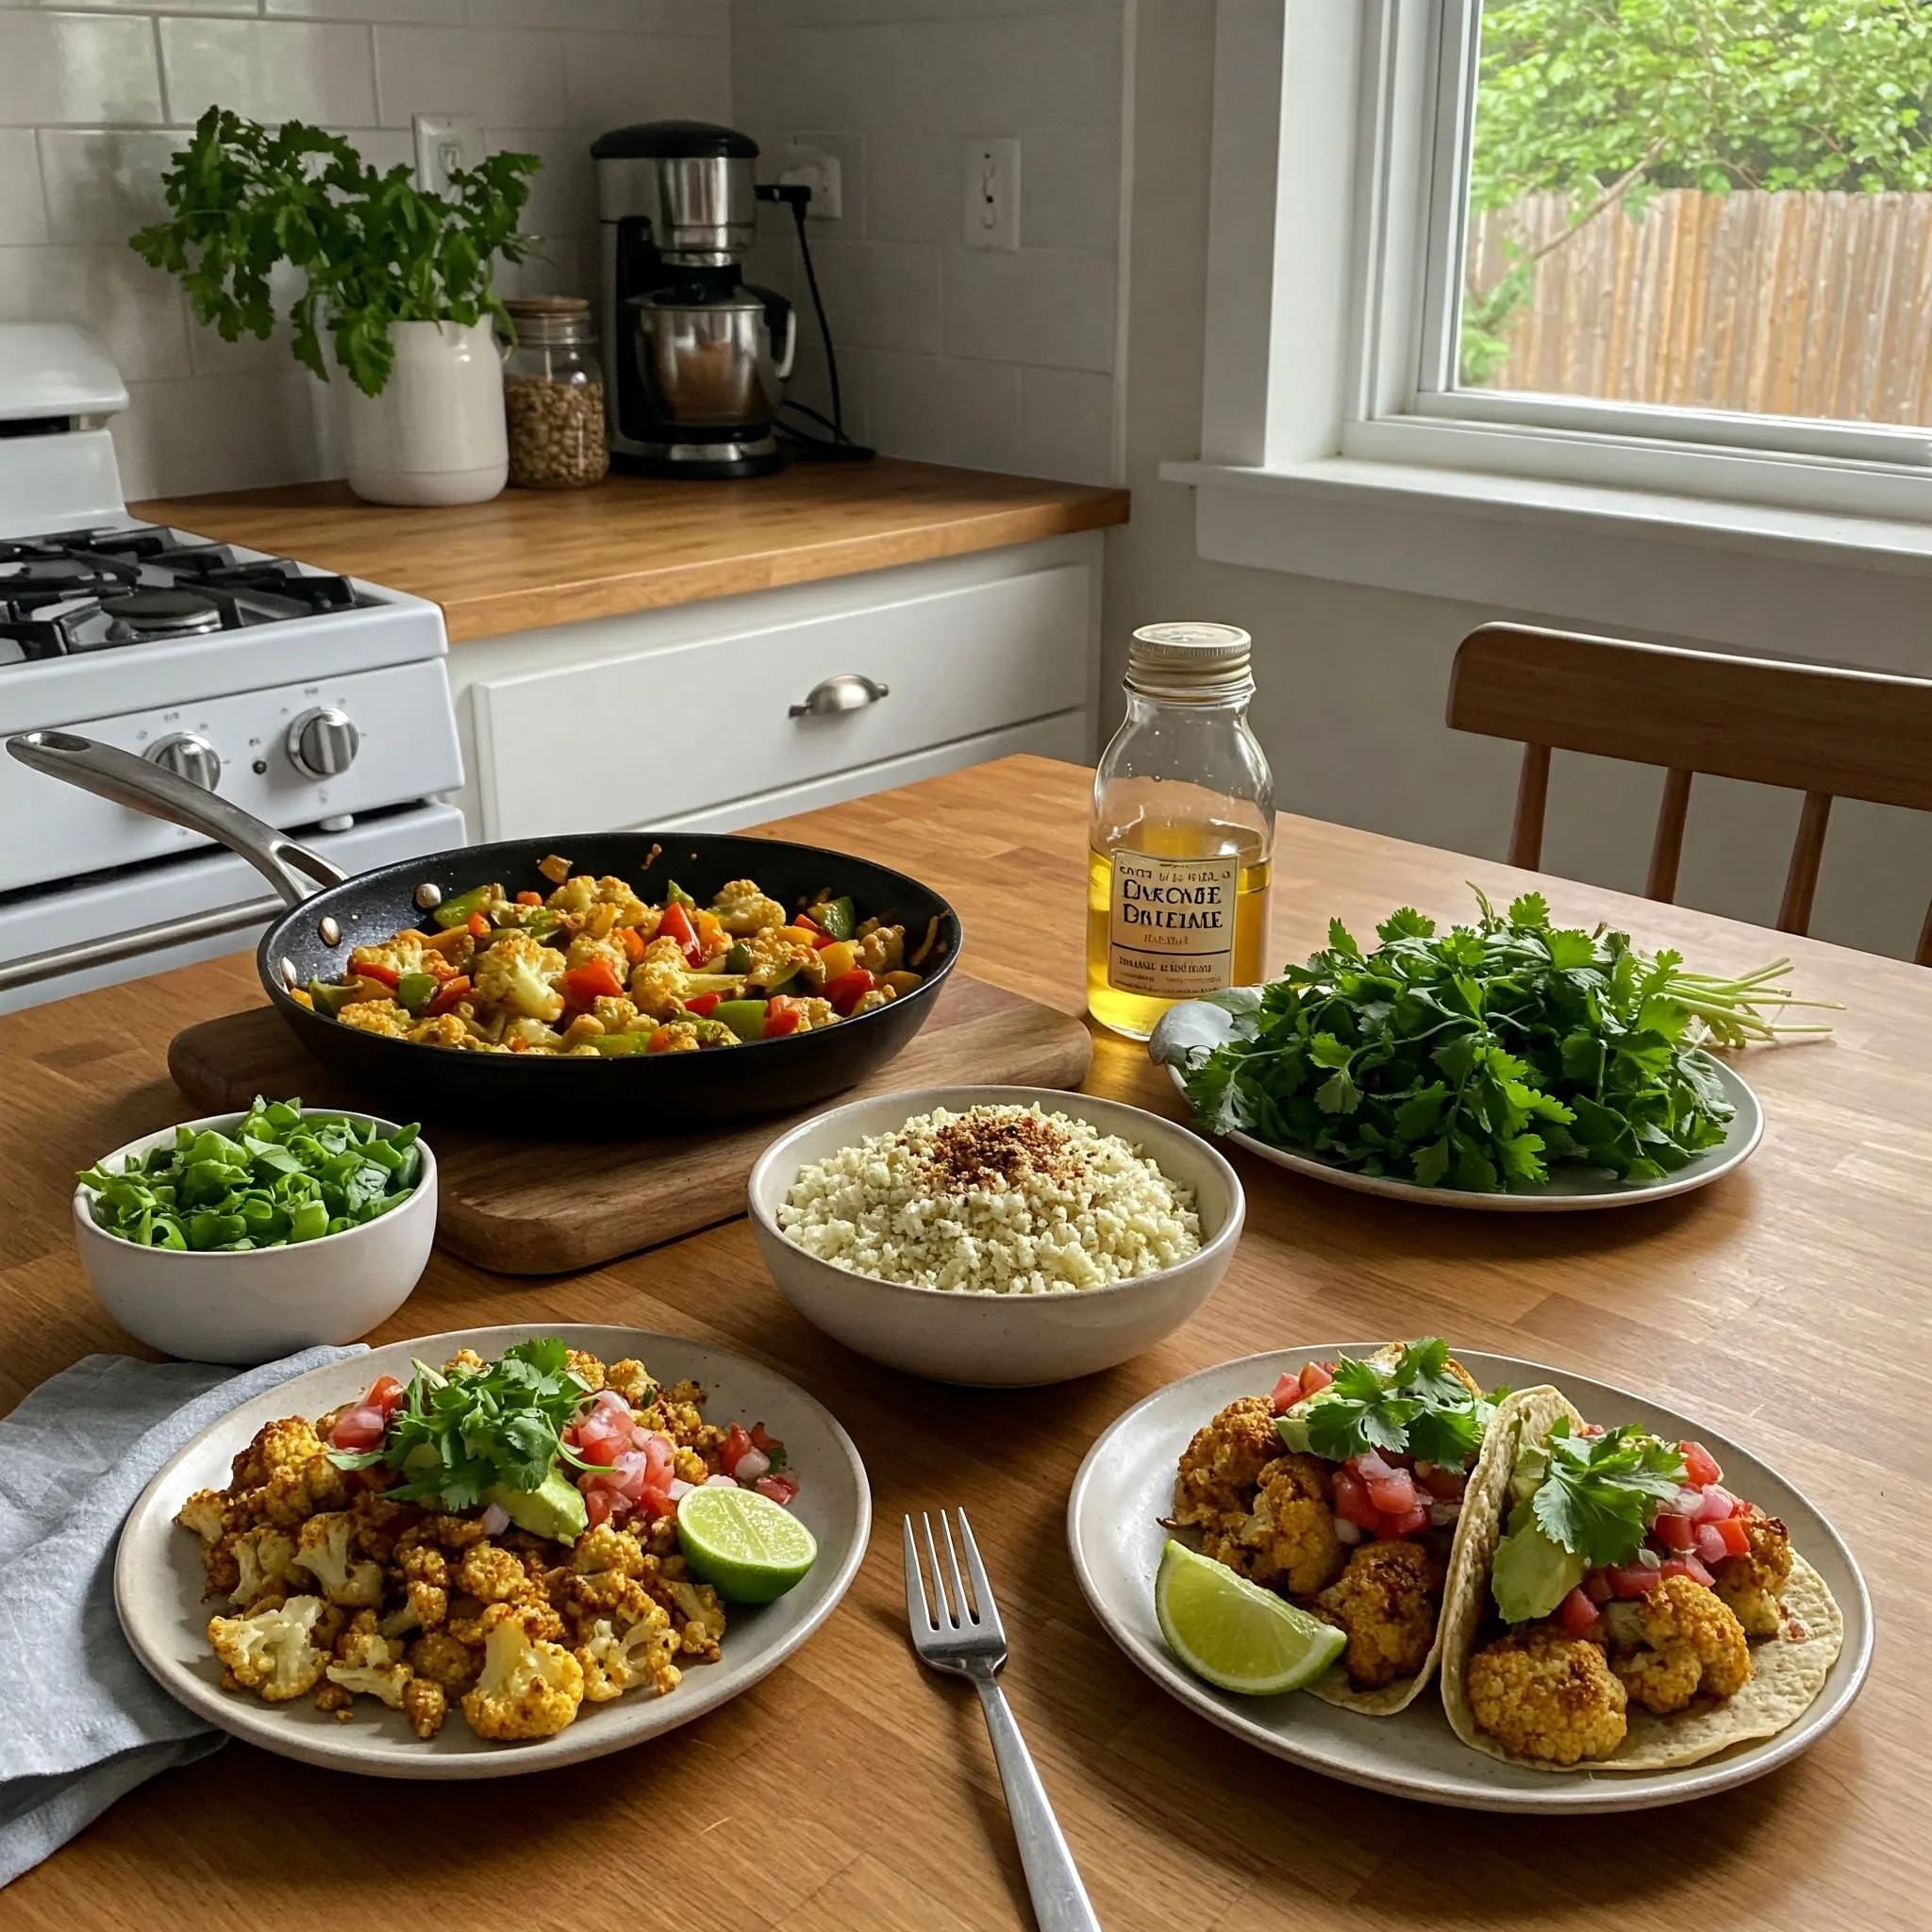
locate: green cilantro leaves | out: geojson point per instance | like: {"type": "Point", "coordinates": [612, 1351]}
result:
{"type": "Point", "coordinates": [458, 1435]}
{"type": "Point", "coordinates": [1416, 1408]}
{"type": "Point", "coordinates": [1599, 1493]}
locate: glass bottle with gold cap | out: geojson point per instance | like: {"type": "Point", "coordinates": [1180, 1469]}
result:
{"type": "Point", "coordinates": [1183, 831]}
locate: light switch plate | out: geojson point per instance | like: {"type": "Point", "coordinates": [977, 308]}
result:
{"type": "Point", "coordinates": [991, 180]}
{"type": "Point", "coordinates": [443, 143]}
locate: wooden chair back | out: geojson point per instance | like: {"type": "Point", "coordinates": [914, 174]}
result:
{"type": "Point", "coordinates": [1813, 728]}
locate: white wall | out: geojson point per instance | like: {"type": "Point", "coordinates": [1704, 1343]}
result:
{"type": "Point", "coordinates": [92, 101]}
{"type": "Point", "coordinates": [1000, 359]}
{"type": "Point", "coordinates": [1353, 681]}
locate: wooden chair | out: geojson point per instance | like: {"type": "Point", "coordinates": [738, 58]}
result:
{"type": "Point", "coordinates": [1808, 727]}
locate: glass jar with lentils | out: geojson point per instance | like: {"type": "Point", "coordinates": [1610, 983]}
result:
{"type": "Point", "coordinates": [553, 394]}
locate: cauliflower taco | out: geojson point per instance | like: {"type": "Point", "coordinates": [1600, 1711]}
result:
{"type": "Point", "coordinates": [499, 1539]}
{"type": "Point", "coordinates": [1613, 1606]}
{"type": "Point", "coordinates": [1346, 1492]}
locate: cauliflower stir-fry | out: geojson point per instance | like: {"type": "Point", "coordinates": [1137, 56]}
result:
{"type": "Point", "coordinates": [591, 970]}
{"type": "Point", "coordinates": [328, 1587]}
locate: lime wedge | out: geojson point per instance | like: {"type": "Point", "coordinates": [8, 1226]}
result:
{"type": "Point", "coordinates": [748, 1548]}
{"type": "Point", "coordinates": [1234, 1633]}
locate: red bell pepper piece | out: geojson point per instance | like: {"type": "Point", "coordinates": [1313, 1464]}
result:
{"type": "Point", "coordinates": [782, 1016]}
{"type": "Point", "coordinates": [596, 980]}
{"type": "Point", "coordinates": [479, 927]}
{"type": "Point", "coordinates": [846, 991]}
{"type": "Point", "coordinates": [676, 924]}
{"type": "Point", "coordinates": [704, 1003]}
{"type": "Point", "coordinates": [450, 991]}
{"type": "Point", "coordinates": [529, 898]}
{"type": "Point", "coordinates": [377, 970]}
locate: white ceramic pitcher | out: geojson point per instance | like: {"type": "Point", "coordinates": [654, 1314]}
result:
{"type": "Point", "coordinates": [436, 432]}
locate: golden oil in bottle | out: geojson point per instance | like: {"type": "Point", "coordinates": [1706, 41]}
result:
{"type": "Point", "coordinates": [1181, 848]}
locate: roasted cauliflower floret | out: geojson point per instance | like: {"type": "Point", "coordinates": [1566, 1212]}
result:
{"type": "Point", "coordinates": [1547, 1696]}
{"type": "Point", "coordinates": [495, 1574]}
{"type": "Point", "coordinates": [321, 1548]}
{"type": "Point", "coordinates": [284, 1477]}
{"type": "Point", "coordinates": [619, 1015]}
{"type": "Point", "coordinates": [263, 1557]}
{"type": "Point", "coordinates": [617, 1658]}
{"type": "Point", "coordinates": [743, 910]}
{"type": "Point", "coordinates": [702, 1633]}
{"type": "Point", "coordinates": [377, 1016]}
{"type": "Point", "coordinates": [1382, 1600]}
{"type": "Point", "coordinates": [663, 980]}
{"type": "Point", "coordinates": [604, 1548]}
{"type": "Point", "coordinates": [399, 954]}
{"type": "Point", "coordinates": [1221, 1469]}
{"type": "Point", "coordinates": [1288, 1540]}
{"type": "Point", "coordinates": [367, 1664]}
{"type": "Point", "coordinates": [529, 1687]}
{"type": "Point", "coordinates": [586, 951]}
{"type": "Point", "coordinates": [1752, 1584]}
{"type": "Point", "coordinates": [882, 949]}
{"type": "Point", "coordinates": [425, 1704]}
{"type": "Point", "coordinates": [439, 1658]}
{"type": "Point", "coordinates": [579, 893]}
{"type": "Point", "coordinates": [631, 1380]}
{"type": "Point", "coordinates": [1691, 1642]}
{"type": "Point", "coordinates": [813, 1013]}
{"type": "Point", "coordinates": [272, 1650]}
{"type": "Point", "coordinates": [206, 1513]}
{"type": "Point", "coordinates": [871, 1002]}
{"type": "Point", "coordinates": [779, 957]}
{"type": "Point", "coordinates": [445, 1029]}
{"type": "Point", "coordinates": [517, 973]}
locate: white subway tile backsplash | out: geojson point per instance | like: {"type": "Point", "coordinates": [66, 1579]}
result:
{"type": "Point", "coordinates": [588, 16]}
{"type": "Point", "coordinates": [1067, 424]}
{"type": "Point", "coordinates": [381, 12]}
{"type": "Point", "coordinates": [941, 409]}
{"type": "Point", "coordinates": [509, 80]}
{"type": "Point", "coordinates": [1070, 190]}
{"type": "Point", "coordinates": [712, 16]}
{"type": "Point", "coordinates": [23, 209]}
{"type": "Point", "coordinates": [563, 192]}
{"type": "Point", "coordinates": [69, 69]}
{"type": "Point", "coordinates": [133, 311]}
{"type": "Point", "coordinates": [611, 83]}
{"type": "Point", "coordinates": [274, 70]}
{"type": "Point", "coordinates": [104, 183]}
{"type": "Point", "coordinates": [1052, 307]}
{"type": "Point", "coordinates": [914, 187]}
{"type": "Point", "coordinates": [880, 295]}
{"type": "Point", "coordinates": [230, 432]}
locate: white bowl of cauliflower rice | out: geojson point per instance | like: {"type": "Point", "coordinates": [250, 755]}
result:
{"type": "Point", "coordinates": [995, 1236]}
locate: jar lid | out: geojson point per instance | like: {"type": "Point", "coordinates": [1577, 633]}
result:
{"type": "Point", "coordinates": [550, 319]}
{"type": "Point", "coordinates": [1190, 660]}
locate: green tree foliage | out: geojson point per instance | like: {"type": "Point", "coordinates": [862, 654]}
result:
{"type": "Point", "coordinates": [1609, 102]}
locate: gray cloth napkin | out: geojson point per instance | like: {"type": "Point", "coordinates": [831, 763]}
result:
{"type": "Point", "coordinates": [84, 1721]}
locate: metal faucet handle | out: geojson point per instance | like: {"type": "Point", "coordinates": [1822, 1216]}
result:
{"type": "Point", "coordinates": [849, 691]}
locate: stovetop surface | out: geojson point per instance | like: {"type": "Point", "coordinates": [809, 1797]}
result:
{"type": "Point", "coordinates": [82, 590]}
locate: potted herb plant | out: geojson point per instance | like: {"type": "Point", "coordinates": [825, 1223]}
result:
{"type": "Point", "coordinates": [397, 279]}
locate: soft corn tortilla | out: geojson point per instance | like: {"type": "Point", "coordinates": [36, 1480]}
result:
{"type": "Point", "coordinates": [1488, 1475]}
{"type": "Point", "coordinates": [1787, 1671]}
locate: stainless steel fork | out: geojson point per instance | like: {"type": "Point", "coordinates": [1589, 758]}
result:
{"type": "Point", "coordinates": [963, 1634]}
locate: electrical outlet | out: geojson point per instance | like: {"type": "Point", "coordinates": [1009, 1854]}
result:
{"type": "Point", "coordinates": [445, 142]}
{"type": "Point", "coordinates": [993, 192]}
{"type": "Point", "coordinates": [814, 168]}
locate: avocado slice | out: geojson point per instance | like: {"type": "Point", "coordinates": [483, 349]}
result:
{"type": "Point", "coordinates": [554, 1508]}
{"type": "Point", "coordinates": [1531, 1573]}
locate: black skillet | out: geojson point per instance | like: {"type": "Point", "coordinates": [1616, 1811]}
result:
{"type": "Point", "coordinates": [535, 1096]}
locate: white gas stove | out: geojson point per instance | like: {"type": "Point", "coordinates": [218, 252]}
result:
{"type": "Point", "coordinates": [318, 703]}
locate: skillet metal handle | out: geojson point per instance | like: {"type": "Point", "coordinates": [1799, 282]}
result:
{"type": "Point", "coordinates": [109, 772]}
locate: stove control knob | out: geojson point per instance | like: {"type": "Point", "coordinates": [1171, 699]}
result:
{"type": "Point", "coordinates": [324, 744]}
{"type": "Point", "coordinates": [188, 757]}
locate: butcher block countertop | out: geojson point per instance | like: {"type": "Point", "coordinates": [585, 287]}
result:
{"type": "Point", "coordinates": [852, 1790]}
{"type": "Point", "coordinates": [531, 558]}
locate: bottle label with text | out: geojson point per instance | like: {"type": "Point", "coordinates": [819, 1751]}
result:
{"type": "Point", "coordinates": [1171, 928]}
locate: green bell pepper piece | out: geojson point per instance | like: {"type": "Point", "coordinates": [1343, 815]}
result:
{"type": "Point", "coordinates": [838, 917]}
{"type": "Point", "coordinates": [415, 991]}
{"type": "Point", "coordinates": [745, 1018]}
{"type": "Point", "coordinates": [326, 997]}
{"type": "Point", "coordinates": [737, 959]}
{"type": "Point", "coordinates": [454, 912]}
{"type": "Point", "coordinates": [675, 894]}
{"type": "Point", "coordinates": [617, 1046]}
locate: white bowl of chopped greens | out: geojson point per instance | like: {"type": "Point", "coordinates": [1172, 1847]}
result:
{"type": "Point", "coordinates": [247, 1236]}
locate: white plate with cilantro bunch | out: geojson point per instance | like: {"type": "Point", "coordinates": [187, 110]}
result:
{"type": "Point", "coordinates": [1117, 1539]}
{"type": "Point", "coordinates": [1510, 1065]}
{"type": "Point", "coordinates": [159, 1579]}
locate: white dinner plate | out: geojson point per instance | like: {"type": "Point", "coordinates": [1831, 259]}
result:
{"type": "Point", "coordinates": [1571, 1190]}
{"type": "Point", "coordinates": [1113, 1529]}
{"type": "Point", "coordinates": [159, 1580]}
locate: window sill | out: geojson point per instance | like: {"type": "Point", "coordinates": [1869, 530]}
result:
{"type": "Point", "coordinates": [1793, 582]}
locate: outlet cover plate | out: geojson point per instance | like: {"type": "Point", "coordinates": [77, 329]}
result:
{"type": "Point", "coordinates": [813, 167]}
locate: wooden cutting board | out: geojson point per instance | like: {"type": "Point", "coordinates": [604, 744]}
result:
{"type": "Point", "coordinates": [549, 1207]}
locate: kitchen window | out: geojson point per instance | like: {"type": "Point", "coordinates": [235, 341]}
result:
{"type": "Point", "coordinates": [1627, 271]}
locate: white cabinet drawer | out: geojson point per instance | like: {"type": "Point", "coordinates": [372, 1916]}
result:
{"type": "Point", "coordinates": [666, 732]}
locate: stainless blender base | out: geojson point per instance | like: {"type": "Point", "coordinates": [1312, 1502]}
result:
{"type": "Point", "coordinates": [731, 457]}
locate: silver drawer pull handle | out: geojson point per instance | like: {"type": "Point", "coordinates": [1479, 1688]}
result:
{"type": "Point", "coordinates": [847, 692]}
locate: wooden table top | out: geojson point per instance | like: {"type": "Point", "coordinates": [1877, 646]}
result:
{"type": "Point", "coordinates": [852, 1790]}
{"type": "Point", "coordinates": [531, 558]}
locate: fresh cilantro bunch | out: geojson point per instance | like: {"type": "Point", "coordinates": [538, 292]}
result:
{"type": "Point", "coordinates": [460, 1435]}
{"type": "Point", "coordinates": [1480, 1057]}
{"type": "Point", "coordinates": [1415, 1408]}
{"type": "Point", "coordinates": [1599, 1493]}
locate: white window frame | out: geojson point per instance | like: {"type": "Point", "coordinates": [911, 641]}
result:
{"type": "Point", "coordinates": [1334, 443]}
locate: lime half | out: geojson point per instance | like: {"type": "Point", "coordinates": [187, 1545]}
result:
{"type": "Point", "coordinates": [1235, 1634]}
{"type": "Point", "coordinates": [748, 1548]}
